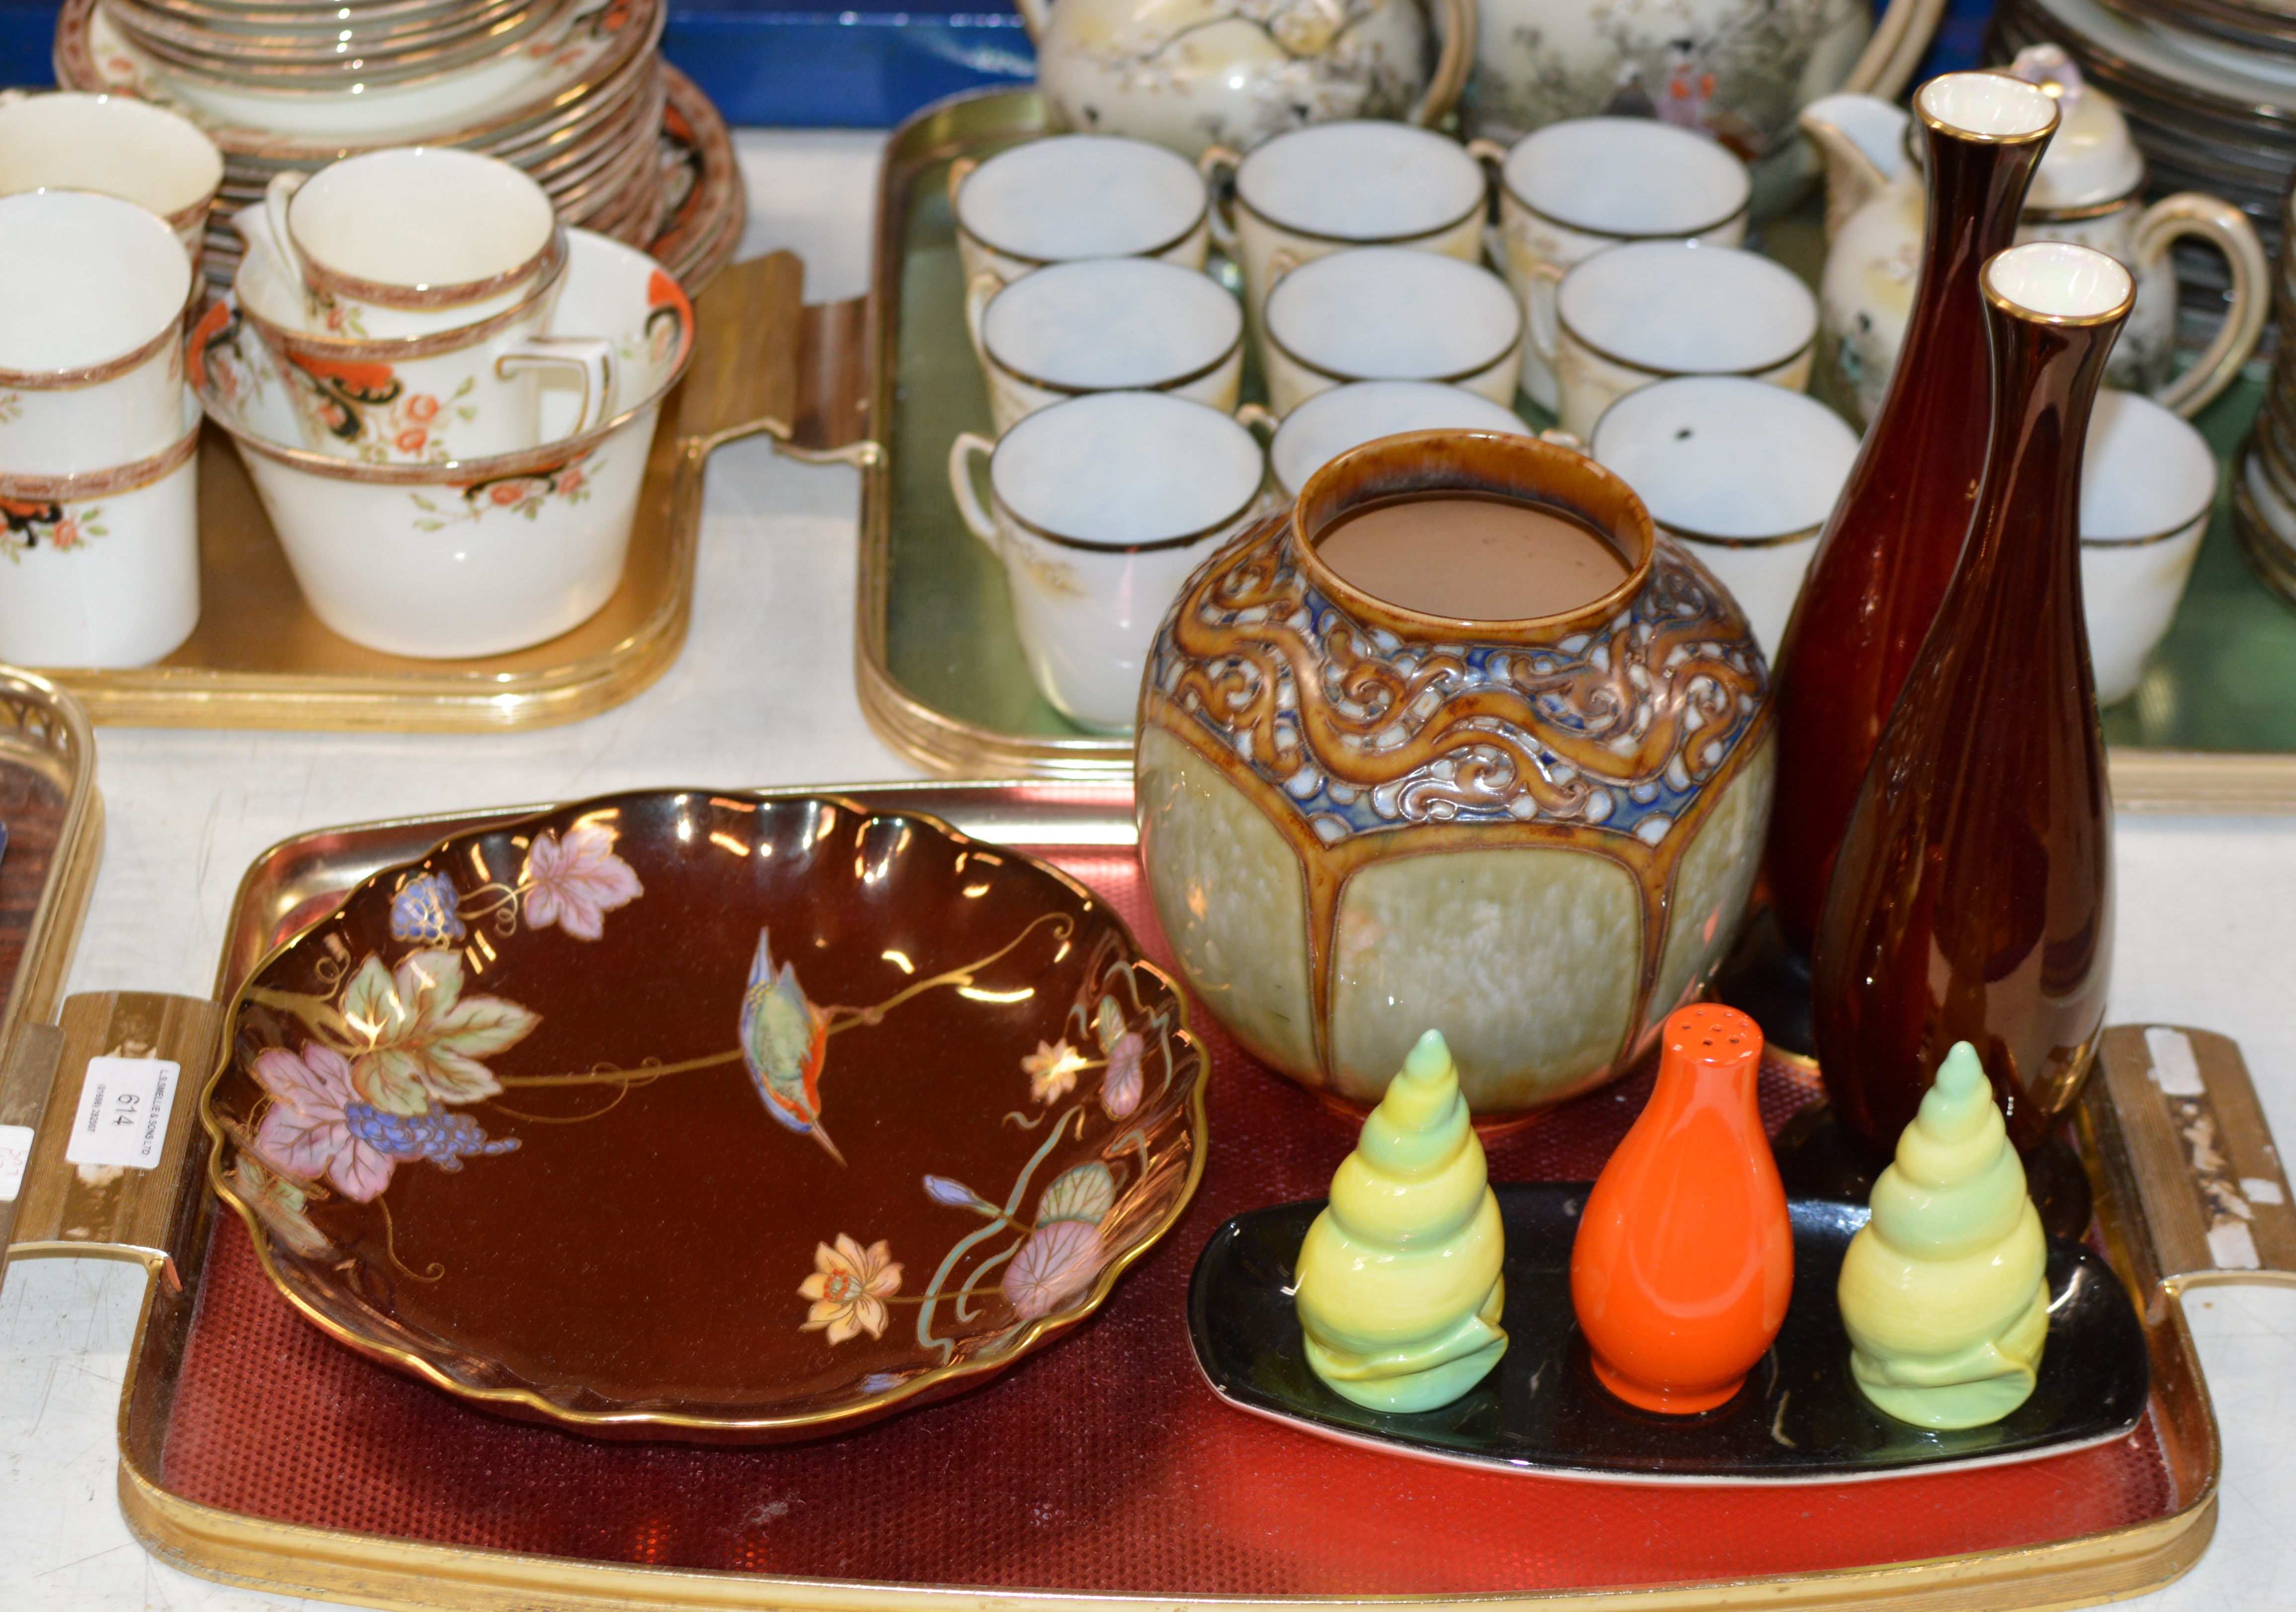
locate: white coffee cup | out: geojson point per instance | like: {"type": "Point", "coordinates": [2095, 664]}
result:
{"type": "Point", "coordinates": [1632, 315]}
{"type": "Point", "coordinates": [1067, 197]}
{"type": "Point", "coordinates": [1573, 188]}
{"type": "Point", "coordinates": [1106, 324]}
{"type": "Point", "coordinates": [1744, 475]}
{"type": "Point", "coordinates": [1099, 508]}
{"type": "Point", "coordinates": [2148, 484]}
{"type": "Point", "coordinates": [114, 144]}
{"type": "Point", "coordinates": [1329, 424]}
{"type": "Point", "coordinates": [91, 324]}
{"type": "Point", "coordinates": [102, 567]}
{"type": "Point", "coordinates": [1385, 313]}
{"type": "Point", "coordinates": [409, 240]}
{"type": "Point", "coordinates": [469, 392]}
{"type": "Point", "coordinates": [1366, 182]}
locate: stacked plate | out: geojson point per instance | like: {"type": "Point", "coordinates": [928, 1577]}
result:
{"type": "Point", "coordinates": [575, 92]}
{"type": "Point", "coordinates": [2264, 480]}
{"type": "Point", "coordinates": [2212, 102]}
{"type": "Point", "coordinates": [300, 48]}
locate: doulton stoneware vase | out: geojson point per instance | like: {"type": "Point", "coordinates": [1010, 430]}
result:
{"type": "Point", "coordinates": [1360, 823]}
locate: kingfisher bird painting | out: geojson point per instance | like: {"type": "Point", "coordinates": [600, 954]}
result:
{"type": "Point", "coordinates": [785, 1038]}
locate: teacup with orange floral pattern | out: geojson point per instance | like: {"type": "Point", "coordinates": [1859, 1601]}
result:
{"type": "Point", "coordinates": [466, 392]}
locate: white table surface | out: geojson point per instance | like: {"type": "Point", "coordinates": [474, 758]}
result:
{"type": "Point", "coordinates": [764, 694]}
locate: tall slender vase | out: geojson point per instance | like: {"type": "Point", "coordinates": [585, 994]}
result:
{"type": "Point", "coordinates": [1889, 549]}
{"type": "Point", "coordinates": [1973, 897]}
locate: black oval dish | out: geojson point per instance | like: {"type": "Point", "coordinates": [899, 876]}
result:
{"type": "Point", "coordinates": [1800, 1419]}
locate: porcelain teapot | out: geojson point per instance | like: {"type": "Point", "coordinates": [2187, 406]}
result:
{"type": "Point", "coordinates": [1737, 70]}
{"type": "Point", "coordinates": [2088, 190]}
{"type": "Point", "coordinates": [1190, 74]}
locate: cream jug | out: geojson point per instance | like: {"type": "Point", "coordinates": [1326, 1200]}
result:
{"type": "Point", "coordinates": [2088, 191]}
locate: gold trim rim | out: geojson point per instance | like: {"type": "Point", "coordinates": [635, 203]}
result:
{"type": "Point", "coordinates": [1037, 1332]}
{"type": "Point", "coordinates": [81, 485]}
{"type": "Point", "coordinates": [398, 349]}
{"type": "Point", "coordinates": [1955, 131]}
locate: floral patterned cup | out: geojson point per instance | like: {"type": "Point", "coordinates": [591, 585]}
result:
{"type": "Point", "coordinates": [116, 146]}
{"type": "Point", "coordinates": [91, 375]}
{"type": "Point", "coordinates": [409, 240]}
{"type": "Point", "coordinates": [462, 393]}
{"type": "Point", "coordinates": [473, 557]}
{"type": "Point", "coordinates": [103, 566]}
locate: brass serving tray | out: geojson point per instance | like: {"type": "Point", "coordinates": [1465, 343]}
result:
{"type": "Point", "coordinates": [2212, 729]}
{"type": "Point", "coordinates": [259, 659]}
{"type": "Point", "coordinates": [2158, 1206]}
{"type": "Point", "coordinates": [49, 800]}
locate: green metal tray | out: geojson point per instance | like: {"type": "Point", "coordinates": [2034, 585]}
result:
{"type": "Point", "coordinates": [2212, 727]}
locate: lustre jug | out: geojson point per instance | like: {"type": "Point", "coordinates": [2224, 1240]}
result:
{"type": "Point", "coordinates": [2089, 190]}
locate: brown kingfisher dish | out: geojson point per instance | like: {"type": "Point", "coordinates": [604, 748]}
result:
{"type": "Point", "coordinates": [714, 1117]}
{"type": "Point", "coordinates": [1360, 821]}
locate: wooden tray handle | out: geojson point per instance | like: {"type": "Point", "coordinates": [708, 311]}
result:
{"type": "Point", "coordinates": [795, 374]}
{"type": "Point", "coordinates": [2179, 1127]}
{"type": "Point", "coordinates": [104, 1211]}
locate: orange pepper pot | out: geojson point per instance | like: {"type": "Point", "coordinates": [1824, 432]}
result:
{"type": "Point", "coordinates": [1684, 1260]}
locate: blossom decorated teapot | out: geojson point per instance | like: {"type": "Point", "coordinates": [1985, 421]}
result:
{"type": "Point", "coordinates": [1737, 70]}
{"type": "Point", "coordinates": [1190, 74]}
{"type": "Point", "coordinates": [2088, 190]}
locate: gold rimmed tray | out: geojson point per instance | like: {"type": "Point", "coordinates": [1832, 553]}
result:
{"type": "Point", "coordinates": [1155, 1496]}
{"type": "Point", "coordinates": [2212, 728]}
{"type": "Point", "coordinates": [258, 658]}
{"type": "Point", "coordinates": [55, 821]}
{"type": "Point", "coordinates": [54, 818]}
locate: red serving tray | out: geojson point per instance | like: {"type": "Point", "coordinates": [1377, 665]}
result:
{"type": "Point", "coordinates": [1104, 1465]}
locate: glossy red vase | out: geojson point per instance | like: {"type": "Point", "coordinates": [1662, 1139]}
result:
{"type": "Point", "coordinates": [1973, 897]}
{"type": "Point", "coordinates": [1890, 547]}
{"type": "Point", "coordinates": [1684, 1260]}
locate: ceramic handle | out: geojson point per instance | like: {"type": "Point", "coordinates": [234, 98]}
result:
{"type": "Point", "coordinates": [1899, 43]}
{"type": "Point", "coordinates": [977, 519]}
{"type": "Point", "coordinates": [1544, 340]}
{"type": "Point", "coordinates": [978, 293]}
{"type": "Point", "coordinates": [104, 1211]}
{"type": "Point", "coordinates": [959, 171]}
{"type": "Point", "coordinates": [277, 195]}
{"type": "Point", "coordinates": [1457, 60]}
{"type": "Point", "coordinates": [590, 357]}
{"type": "Point", "coordinates": [1258, 421]}
{"type": "Point", "coordinates": [2180, 1137]}
{"type": "Point", "coordinates": [1217, 166]}
{"type": "Point", "coordinates": [2205, 218]}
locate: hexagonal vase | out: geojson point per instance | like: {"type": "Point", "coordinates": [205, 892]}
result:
{"type": "Point", "coordinates": [1360, 823]}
